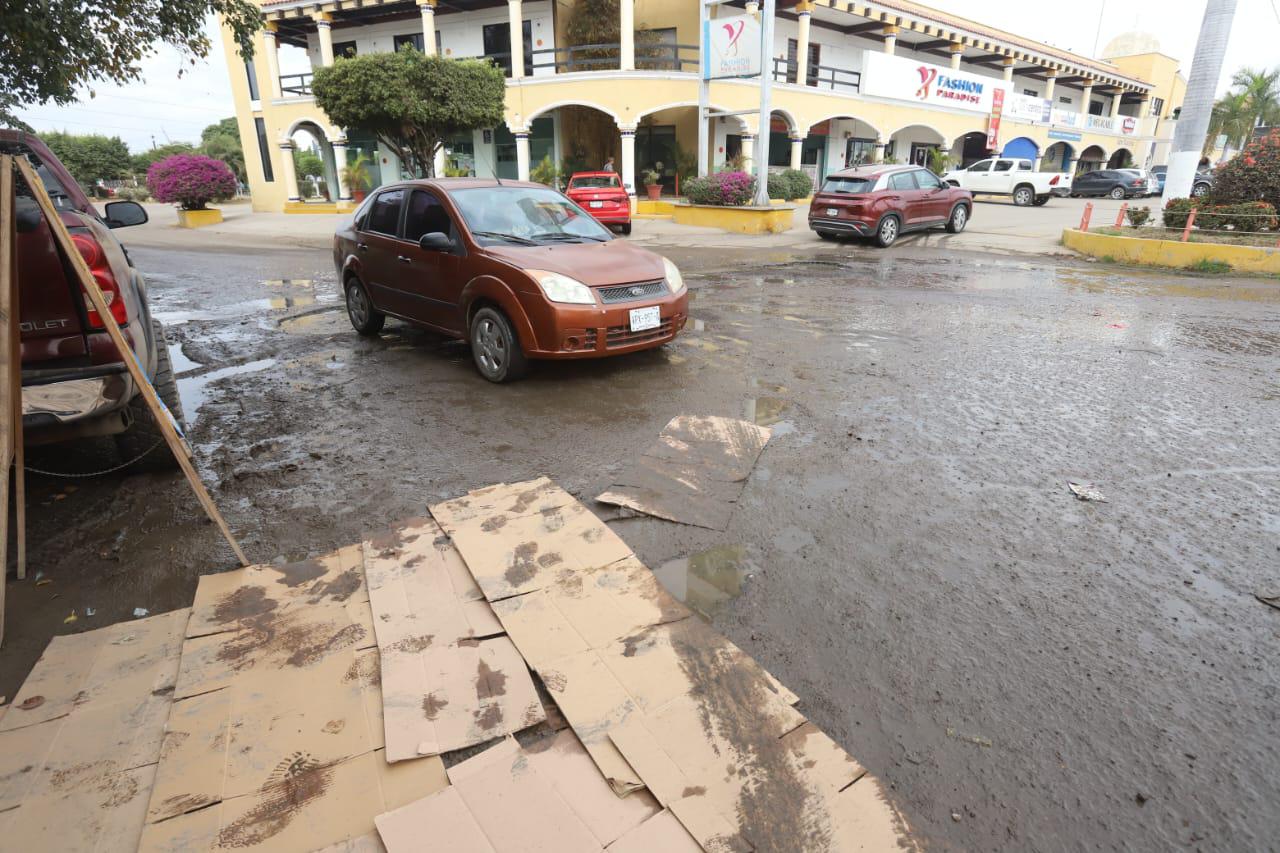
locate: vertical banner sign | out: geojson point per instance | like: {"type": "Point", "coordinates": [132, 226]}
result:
{"type": "Point", "coordinates": [734, 47]}
{"type": "Point", "coordinates": [993, 123]}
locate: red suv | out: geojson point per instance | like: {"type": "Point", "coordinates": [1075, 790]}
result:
{"type": "Point", "coordinates": [603, 196]}
{"type": "Point", "coordinates": [885, 202]}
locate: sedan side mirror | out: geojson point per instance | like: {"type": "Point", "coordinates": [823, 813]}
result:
{"type": "Point", "coordinates": [122, 214]}
{"type": "Point", "coordinates": [436, 241]}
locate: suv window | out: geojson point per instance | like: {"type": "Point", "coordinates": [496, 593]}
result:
{"type": "Point", "coordinates": [1003, 165]}
{"type": "Point", "coordinates": [426, 214]}
{"type": "Point", "coordinates": [902, 181]}
{"type": "Point", "coordinates": [927, 180]}
{"type": "Point", "coordinates": [981, 166]}
{"type": "Point", "coordinates": [1024, 164]}
{"type": "Point", "coordinates": [384, 215]}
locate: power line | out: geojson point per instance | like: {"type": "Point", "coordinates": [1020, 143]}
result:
{"type": "Point", "coordinates": [98, 125]}
{"type": "Point", "coordinates": [167, 120]}
{"type": "Point", "coordinates": [157, 103]}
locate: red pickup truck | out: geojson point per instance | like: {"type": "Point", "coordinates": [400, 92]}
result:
{"type": "Point", "coordinates": [74, 380]}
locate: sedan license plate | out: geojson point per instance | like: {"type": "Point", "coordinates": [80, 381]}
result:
{"type": "Point", "coordinates": [831, 211]}
{"type": "Point", "coordinates": [643, 319]}
{"type": "Point", "coordinates": [595, 204]}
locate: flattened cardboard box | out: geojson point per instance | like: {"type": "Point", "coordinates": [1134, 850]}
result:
{"type": "Point", "coordinates": [549, 797]}
{"type": "Point", "coordinates": [79, 746]}
{"type": "Point", "coordinates": [443, 686]}
{"type": "Point", "coordinates": [694, 473]}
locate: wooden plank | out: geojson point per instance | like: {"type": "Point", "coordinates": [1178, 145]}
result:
{"type": "Point", "coordinates": [8, 233]}
{"type": "Point", "coordinates": [158, 410]}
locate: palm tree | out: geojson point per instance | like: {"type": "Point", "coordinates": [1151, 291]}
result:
{"type": "Point", "coordinates": [1261, 90]}
{"type": "Point", "coordinates": [1232, 117]}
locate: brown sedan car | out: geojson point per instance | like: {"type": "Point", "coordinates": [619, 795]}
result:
{"type": "Point", "coordinates": [515, 268]}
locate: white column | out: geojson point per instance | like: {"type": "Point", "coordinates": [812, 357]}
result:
{"type": "Point", "coordinates": [273, 58]}
{"type": "Point", "coordinates": [878, 149]}
{"type": "Point", "coordinates": [1115, 104]}
{"type": "Point", "coordinates": [340, 161]}
{"type": "Point", "coordinates": [797, 145]}
{"type": "Point", "coordinates": [428, 10]}
{"type": "Point", "coordinates": [748, 149]}
{"type": "Point", "coordinates": [437, 163]}
{"type": "Point", "coordinates": [522, 152]}
{"type": "Point", "coordinates": [516, 22]}
{"type": "Point", "coordinates": [324, 29]}
{"type": "Point", "coordinates": [1007, 62]}
{"type": "Point", "coordinates": [1052, 82]}
{"type": "Point", "coordinates": [1086, 96]}
{"type": "Point", "coordinates": [753, 7]}
{"type": "Point", "coordinates": [957, 52]}
{"type": "Point", "coordinates": [627, 23]}
{"type": "Point", "coordinates": [804, 12]}
{"type": "Point", "coordinates": [629, 163]}
{"type": "Point", "coordinates": [890, 39]}
{"type": "Point", "coordinates": [290, 174]}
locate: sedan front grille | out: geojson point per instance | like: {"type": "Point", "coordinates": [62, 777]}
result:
{"type": "Point", "coordinates": [622, 336]}
{"type": "Point", "coordinates": [632, 292]}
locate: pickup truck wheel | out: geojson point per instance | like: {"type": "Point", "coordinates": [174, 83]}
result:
{"type": "Point", "coordinates": [1041, 200]}
{"type": "Point", "coordinates": [365, 319]}
{"type": "Point", "coordinates": [1023, 195]}
{"type": "Point", "coordinates": [143, 442]}
{"type": "Point", "coordinates": [887, 233]}
{"type": "Point", "coordinates": [959, 219]}
{"type": "Point", "coordinates": [1117, 193]}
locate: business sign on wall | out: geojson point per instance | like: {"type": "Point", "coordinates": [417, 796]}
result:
{"type": "Point", "coordinates": [1068, 135]}
{"type": "Point", "coordinates": [733, 47]}
{"type": "Point", "coordinates": [993, 123]}
{"type": "Point", "coordinates": [1028, 108]}
{"type": "Point", "coordinates": [906, 79]}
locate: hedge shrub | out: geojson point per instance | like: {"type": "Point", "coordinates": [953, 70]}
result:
{"type": "Point", "coordinates": [1214, 215]}
{"type": "Point", "coordinates": [724, 189]}
{"type": "Point", "coordinates": [801, 183]}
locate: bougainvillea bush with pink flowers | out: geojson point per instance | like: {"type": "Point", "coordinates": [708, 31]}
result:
{"type": "Point", "coordinates": [191, 180]}
{"type": "Point", "coordinates": [1253, 174]}
{"type": "Point", "coordinates": [726, 189]}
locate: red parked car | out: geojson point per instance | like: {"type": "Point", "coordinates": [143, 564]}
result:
{"type": "Point", "coordinates": [603, 196]}
{"type": "Point", "coordinates": [884, 202]}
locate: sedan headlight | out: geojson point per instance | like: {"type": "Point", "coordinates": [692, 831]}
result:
{"type": "Point", "coordinates": [675, 281]}
{"type": "Point", "coordinates": [561, 288]}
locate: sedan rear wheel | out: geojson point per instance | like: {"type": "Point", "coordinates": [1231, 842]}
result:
{"type": "Point", "coordinates": [495, 347]}
{"type": "Point", "coordinates": [1117, 193]}
{"type": "Point", "coordinates": [887, 233]}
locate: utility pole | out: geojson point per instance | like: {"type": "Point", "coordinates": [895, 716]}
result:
{"type": "Point", "coordinates": [1197, 104]}
{"type": "Point", "coordinates": [766, 102]}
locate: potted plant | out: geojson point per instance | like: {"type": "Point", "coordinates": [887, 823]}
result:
{"type": "Point", "coordinates": [356, 177]}
{"type": "Point", "coordinates": [651, 185]}
{"type": "Point", "coordinates": [192, 181]}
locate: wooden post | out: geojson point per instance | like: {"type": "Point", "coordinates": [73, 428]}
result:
{"type": "Point", "coordinates": [8, 233]}
{"type": "Point", "coordinates": [1191, 220]}
{"type": "Point", "coordinates": [1084, 217]}
{"type": "Point", "coordinates": [1120, 216]}
{"type": "Point", "coordinates": [158, 410]}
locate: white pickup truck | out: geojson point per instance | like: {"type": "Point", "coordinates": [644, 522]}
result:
{"type": "Point", "coordinates": [1009, 176]}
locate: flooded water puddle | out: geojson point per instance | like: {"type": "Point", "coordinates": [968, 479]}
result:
{"type": "Point", "coordinates": [194, 390]}
{"type": "Point", "coordinates": [315, 323]}
{"type": "Point", "coordinates": [179, 361]}
{"type": "Point", "coordinates": [707, 580]}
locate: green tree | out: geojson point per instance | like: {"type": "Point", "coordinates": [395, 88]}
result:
{"type": "Point", "coordinates": [142, 162]}
{"type": "Point", "coordinates": [221, 141]}
{"type": "Point", "coordinates": [1232, 117]}
{"type": "Point", "coordinates": [411, 102]}
{"type": "Point", "coordinates": [307, 163]}
{"type": "Point", "coordinates": [226, 127]}
{"type": "Point", "coordinates": [90, 158]}
{"type": "Point", "coordinates": [49, 50]}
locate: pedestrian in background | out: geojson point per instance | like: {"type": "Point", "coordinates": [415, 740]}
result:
{"type": "Point", "coordinates": [608, 165]}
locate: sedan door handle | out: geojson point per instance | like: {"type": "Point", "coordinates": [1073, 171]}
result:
{"type": "Point", "coordinates": [364, 247]}
{"type": "Point", "coordinates": [402, 259]}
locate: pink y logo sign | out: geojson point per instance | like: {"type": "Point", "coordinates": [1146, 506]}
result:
{"type": "Point", "coordinates": [734, 32]}
{"type": "Point", "coordinates": [926, 77]}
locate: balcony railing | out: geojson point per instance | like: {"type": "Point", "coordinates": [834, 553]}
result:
{"type": "Point", "coordinates": [298, 85]}
{"type": "Point", "coordinates": [818, 76]}
{"type": "Point", "coordinates": [590, 57]}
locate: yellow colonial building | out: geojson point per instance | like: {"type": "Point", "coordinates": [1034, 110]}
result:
{"type": "Point", "coordinates": [853, 82]}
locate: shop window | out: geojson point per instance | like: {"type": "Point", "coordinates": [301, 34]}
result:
{"type": "Point", "coordinates": [414, 39]}
{"type": "Point", "coordinates": [1157, 106]}
{"type": "Point", "coordinates": [344, 49]}
{"type": "Point", "coordinates": [264, 150]}
{"type": "Point", "coordinates": [1033, 93]}
{"type": "Point", "coordinates": [253, 79]}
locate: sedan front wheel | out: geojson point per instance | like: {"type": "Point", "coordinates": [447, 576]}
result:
{"type": "Point", "coordinates": [495, 347]}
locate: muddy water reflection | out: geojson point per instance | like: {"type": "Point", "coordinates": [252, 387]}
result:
{"type": "Point", "coordinates": [707, 580]}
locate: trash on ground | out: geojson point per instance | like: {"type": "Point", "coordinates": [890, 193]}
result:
{"type": "Point", "coordinates": [70, 618]}
{"type": "Point", "coordinates": [694, 473]}
{"type": "Point", "coordinates": [978, 739]}
{"type": "Point", "coordinates": [1086, 491]}
{"type": "Point", "coordinates": [139, 612]}
{"type": "Point", "coordinates": [89, 611]}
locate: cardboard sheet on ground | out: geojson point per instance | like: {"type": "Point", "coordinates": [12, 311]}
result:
{"type": "Point", "coordinates": [694, 473]}
{"type": "Point", "coordinates": [549, 797]}
{"type": "Point", "coordinates": [79, 745]}
{"type": "Point", "coordinates": [659, 699]}
{"type": "Point", "coordinates": [277, 741]}
{"type": "Point", "coordinates": [443, 687]}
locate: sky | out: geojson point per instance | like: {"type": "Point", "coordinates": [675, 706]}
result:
{"type": "Point", "coordinates": [167, 108]}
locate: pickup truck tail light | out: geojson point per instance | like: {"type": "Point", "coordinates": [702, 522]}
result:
{"type": "Point", "coordinates": [1053, 182]}
{"type": "Point", "coordinates": [106, 280]}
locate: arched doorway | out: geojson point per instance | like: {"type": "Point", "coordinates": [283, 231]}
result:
{"type": "Point", "coordinates": [1021, 148]}
{"type": "Point", "coordinates": [969, 149]}
{"type": "Point", "coordinates": [782, 127]}
{"type": "Point", "coordinates": [1121, 158]}
{"type": "Point", "coordinates": [313, 163]}
{"type": "Point", "coordinates": [838, 142]}
{"type": "Point", "coordinates": [1091, 159]}
{"type": "Point", "coordinates": [1057, 157]}
{"type": "Point", "coordinates": [913, 144]}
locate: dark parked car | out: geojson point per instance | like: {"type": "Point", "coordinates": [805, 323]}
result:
{"type": "Point", "coordinates": [515, 268]}
{"type": "Point", "coordinates": [884, 202]}
{"type": "Point", "coordinates": [74, 380]}
{"type": "Point", "coordinates": [1113, 183]}
{"type": "Point", "coordinates": [1200, 185]}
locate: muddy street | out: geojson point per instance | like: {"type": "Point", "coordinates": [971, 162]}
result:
{"type": "Point", "coordinates": [1025, 670]}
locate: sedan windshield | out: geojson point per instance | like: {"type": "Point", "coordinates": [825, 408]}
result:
{"type": "Point", "coordinates": [848, 185]}
{"type": "Point", "coordinates": [524, 214]}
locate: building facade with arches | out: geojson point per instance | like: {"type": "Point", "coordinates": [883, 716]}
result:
{"type": "Point", "coordinates": [853, 83]}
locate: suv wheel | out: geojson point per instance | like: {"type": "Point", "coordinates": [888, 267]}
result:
{"type": "Point", "coordinates": [1199, 190]}
{"type": "Point", "coordinates": [495, 347]}
{"type": "Point", "coordinates": [1023, 196]}
{"type": "Point", "coordinates": [887, 233]}
{"type": "Point", "coordinates": [143, 442]}
{"type": "Point", "coordinates": [959, 219]}
{"type": "Point", "coordinates": [365, 319]}
{"type": "Point", "coordinates": [1117, 193]}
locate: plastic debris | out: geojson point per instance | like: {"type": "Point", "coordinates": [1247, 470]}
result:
{"type": "Point", "coordinates": [70, 618]}
{"type": "Point", "coordinates": [44, 581]}
{"type": "Point", "coordinates": [976, 739]}
{"type": "Point", "coordinates": [89, 611]}
{"type": "Point", "coordinates": [1086, 491]}
{"type": "Point", "coordinates": [139, 612]}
